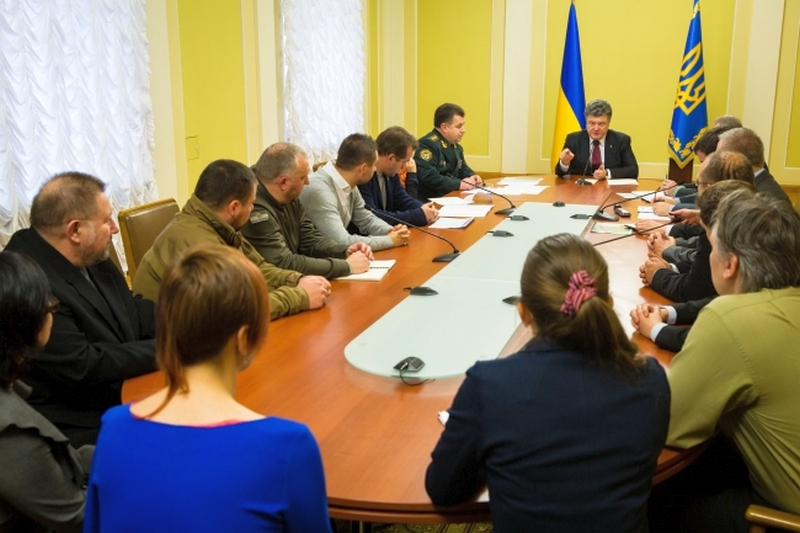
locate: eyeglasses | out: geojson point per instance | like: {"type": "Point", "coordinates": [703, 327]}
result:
{"type": "Point", "coordinates": [52, 305]}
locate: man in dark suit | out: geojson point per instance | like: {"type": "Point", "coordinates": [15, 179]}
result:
{"type": "Point", "coordinates": [747, 142]}
{"type": "Point", "coordinates": [101, 334]}
{"type": "Point", "coordinates": [384, 193]}
{"type": "Point", "coordinates": [598, 151]}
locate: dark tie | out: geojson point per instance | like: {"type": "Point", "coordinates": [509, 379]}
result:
{"type": "Point", "coordinates": [597, 159]}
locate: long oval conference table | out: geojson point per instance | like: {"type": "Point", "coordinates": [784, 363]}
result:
{"type": "Point", "coordinates": [376, 433]}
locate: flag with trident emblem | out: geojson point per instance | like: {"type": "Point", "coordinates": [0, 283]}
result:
{"type": "Point", "coordinates": [689, 116]}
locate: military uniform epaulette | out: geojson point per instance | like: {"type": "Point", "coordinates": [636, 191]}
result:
{"type": "Point", "coordinates": [433, 137]}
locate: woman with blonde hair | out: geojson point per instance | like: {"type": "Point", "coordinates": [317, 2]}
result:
{"type": "Point", "coordinates": [190, 457]}
{"type": "Point", "coordinates": [566, 432]}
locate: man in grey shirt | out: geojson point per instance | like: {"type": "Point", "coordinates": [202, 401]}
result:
{"type": "Point", "coordinates": [335, 206]}
{"type": "Point", "coordinates": [279, 228]}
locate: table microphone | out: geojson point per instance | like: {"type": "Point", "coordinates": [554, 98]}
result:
{"type": "Point", "coordinates": [632, 234]}
{"type": "Point", "coordinates": [600, 213]}
{"type": "Point", "coordinates": [582, 180]}
{"type": "Point", "coordinates": [506, 210]}
{"type": "Point", "coordinates": [441, 258]}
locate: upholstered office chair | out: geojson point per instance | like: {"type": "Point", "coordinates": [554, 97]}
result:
{"type": "Point", "coordinates": [761, 518]}
{"type": "Point", "coordinates": [140, 226]}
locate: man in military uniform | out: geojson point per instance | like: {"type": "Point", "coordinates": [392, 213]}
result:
{"type": "Point", "coordinates": [441, 167]}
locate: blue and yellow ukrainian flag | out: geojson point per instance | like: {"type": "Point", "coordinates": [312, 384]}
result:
{"type": "Point", "coordinates": [571, 98]}
{"type": "Point", "coordinates": [690, 116]}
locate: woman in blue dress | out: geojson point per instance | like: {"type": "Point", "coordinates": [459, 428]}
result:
{"type": "Point", "coordinates": [190, 457]}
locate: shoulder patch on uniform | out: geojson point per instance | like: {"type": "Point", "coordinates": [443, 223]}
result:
{"type": "Point", "coordinates": [425, 155]}
{"type": "Point", "coordinates": [255, 218]}
{"type": "Point", "coordinates": [433, 137]}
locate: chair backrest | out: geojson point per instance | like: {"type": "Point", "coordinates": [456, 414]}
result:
{"type": "Point", "coordinates": [140, 226]}
{"type": "Point", "coordinates": [761, 518]}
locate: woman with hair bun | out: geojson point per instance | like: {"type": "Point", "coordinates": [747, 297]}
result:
{"type": "Point", "coordinates": [42, 477]}
{"type": "Point", "coordinates": [566, 432]}
{"type": "Point", "coordinates": [190, 457]}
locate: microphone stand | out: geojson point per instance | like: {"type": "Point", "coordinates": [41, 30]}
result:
{"type": "Point", "coordinates": [441, 258]}
{"type": "Point", "coordinates": [600, 214]}
{"type": "Point", "coordinates": [582, 180]}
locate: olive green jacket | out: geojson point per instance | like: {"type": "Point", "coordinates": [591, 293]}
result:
{"type": "Point", "coordinates": [197, 223]}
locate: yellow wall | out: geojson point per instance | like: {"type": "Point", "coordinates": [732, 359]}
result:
{"type": "Point", "coordinates": [793, 145]}
{"type": "Point", "coordinates": [212, 67]}
{"type": "Point", "coordinates": [453, 65]}
{"type": "Point", "coordinates": [632, 57]}
{"type": "Point", "coordinates": [461, 50]}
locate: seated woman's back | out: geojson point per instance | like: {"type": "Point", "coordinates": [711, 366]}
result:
{"type": "Point", "coordinates": [566, 433]}
{"type": "Point", "coordinates": [190, 458]}
{"type": "Point", "coordinates": [257, 475]}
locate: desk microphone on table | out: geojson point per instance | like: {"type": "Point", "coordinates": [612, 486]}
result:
{"type": "Point", "coordinates": [600, 213]}
{"type": "Point", "coordinates": [506, 210]}
{"type": "Point", "coordinates": [582, 180]}
{"type": "Point", "coordinates": [635, 232]}
{"type": "Point", "coordinates": [441, 258]}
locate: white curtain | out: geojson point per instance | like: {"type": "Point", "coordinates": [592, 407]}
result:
{"type": "Point", "coordinates": [74, 95]}
{"type": "Point", "coordinates": [323, 73]}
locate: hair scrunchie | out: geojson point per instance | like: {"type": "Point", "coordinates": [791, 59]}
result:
{"type": "Point", "coordinates": [580, 289]}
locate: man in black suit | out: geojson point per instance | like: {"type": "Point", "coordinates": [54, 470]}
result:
{"type": "Point", "coordinates": [747, 142]}
{"type": "Point", "coordinates": [597, 150]}
{"type": "Point", "coordinates": [101, 334]}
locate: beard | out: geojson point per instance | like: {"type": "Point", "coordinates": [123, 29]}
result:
{"type": "Point", "coordinates": [90, 255]}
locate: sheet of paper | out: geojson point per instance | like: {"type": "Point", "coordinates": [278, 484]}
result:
{"type": "Point", "coordinates": [623, 181]}
{"type": "Point", "coordinates": [451, 223]}
{"type": "Point", "coordinates": [517, 180]}
{"type": "Point", "coordinates": [612, 229]}
{"type": "Point", "coordinates": [645, 196]}
{"type": "Point", "coordinates": [652, 216]}
{"type": "Point", "coordinates": [452, 200]}
{"type": "Point", "coordinates": [377, 270]}
{"type": "Point", "coordinates": [518, 189]}
{"type": "Point", "coordinates": [472, 210]}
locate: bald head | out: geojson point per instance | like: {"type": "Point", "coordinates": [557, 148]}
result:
{"type": "Point", "coordinates": [725, 165]}
{"type": "Point", "coordinates": [745, 141]}
{"type": "Point", "coordinates": [64, 197]}
{"type": "Point", "coordinates": [279, 159]}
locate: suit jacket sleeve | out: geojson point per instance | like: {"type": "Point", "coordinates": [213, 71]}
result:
{"type": "Point", "coordinates": [687, 311]}
{"type": "Point", "coordinates": [428, 170]}
{"type": "Point", "coordinates": [626, 167]}
{"type": "Point", "coordinates": [456, 473]}
{"type": "Point", "coordinates": [681, 256]}
{"type": "Point", "coordinates": [321, 205]}
{"type": "Point", "coordinates": [672, 337]}
{"type": "Point", "coordinates": [400, 204]}
{"type": "Point", "coordinates": [572, 142]}
{"type": "Point", "coordinates": [693, 285]}
{"type": "Point", "coordinates": [266, 236]}
{"type": "Point", "coordinates": [412, 184]}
